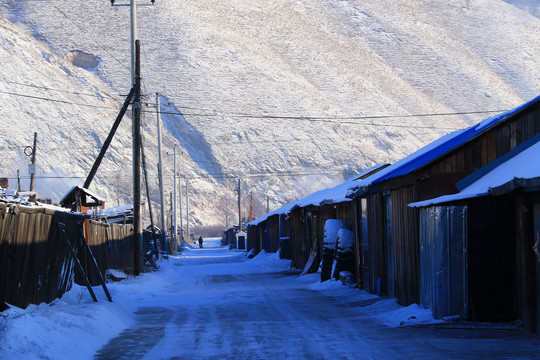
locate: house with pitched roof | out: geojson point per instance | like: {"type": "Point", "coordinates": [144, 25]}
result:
{"type": "Point", "coordinates": [480, 247]}
{"type": "Point", "coordinates": [391, 253]}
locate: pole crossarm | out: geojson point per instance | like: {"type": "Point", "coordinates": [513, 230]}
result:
{"type": "Point", "coordinates": [113, 3]}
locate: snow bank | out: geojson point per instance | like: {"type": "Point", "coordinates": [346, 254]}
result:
{"type": "Point", "coordinates": [54, 331]}
{"type": "Point", "coordinates": [404, 316]}
{"type": "Point", "coordinates": [386, 310]}
{"type": "Point", "coordinates": [267, 262]}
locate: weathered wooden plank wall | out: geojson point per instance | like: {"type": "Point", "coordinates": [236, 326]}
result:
{"type": "Point", "coordinates": [361, 243]}
{"type": "Point", "coordinates": [112, 246]}
{"type": "Point", "coordinates": [253, 234]}
{"type": "Point", "coordinates": [285, 237]}
{"type": "Point", "coordinates": [273, 234]}
{"type": "Point", "coordinates": [376, 255]}
{"type": "Point", "coordinates": [35, 264]}
{"type": "Point", "coordinates": [299, 244]}
{"type": "Point", "coordinates": [406, 245]}
{"type": "Point", "coordinates": [479, 152]}
{"type": "Point", "coordinates": [491, 255]}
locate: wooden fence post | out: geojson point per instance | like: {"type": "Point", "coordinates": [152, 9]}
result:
{"type": "Point", "coordinates": [96, 267]}
{"type": "Point", "coordinates": [78, 268]}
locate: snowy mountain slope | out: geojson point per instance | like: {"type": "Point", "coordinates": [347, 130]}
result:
{"type": "Point", "coordinates": [70, 128]}
{"type": "Point", "coordinates": [284, 87]}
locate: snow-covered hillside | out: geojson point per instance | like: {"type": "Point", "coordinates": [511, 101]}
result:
{"type": "Point", "coordinates": [68, 108]}
{"type": "Point", "coordinates": [268, 91]}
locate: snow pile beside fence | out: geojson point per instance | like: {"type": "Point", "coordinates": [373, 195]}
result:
{"type": "Point", "coordinates": [265, 261]}
{"type": "Point", "coordinates": [404, 316]}
{"type": "Point", "coordinates": [72, 325]}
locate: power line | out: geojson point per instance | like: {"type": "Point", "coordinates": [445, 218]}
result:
{"type": "Point", "coordinates": [325, 119]}
{"type": "Point", "coordinates": [201, 176]}
{"type": "Point", "coordinates": [63, 91]}
{"type": "Point", "coordinates": [315, 118]}
{"type": "Point", "coordinates": [57, 100]}
{"type": "Point", "coordinates": [341, 120]}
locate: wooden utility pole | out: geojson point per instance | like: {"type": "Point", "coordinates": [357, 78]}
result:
{"type": "Point", "coordinates": [251, 215]}
{"type": "Point", "coordinates": [175, 236]}
{"type": "Point", "coordinates": [239, 208]}
{"type": "Point", "coordinates": [136, 130]}
{"type": "Point", "coordinates": [108, 140]}
{"type": "Point", "coordinates": [160, 170]}
{"type": "Point", "coordinates": [187, 212]}
{"type": "Point", "coordinates": [33, 163]}
{"type": "Point", "coordinates": [136, 109]}
{"type": "Point", "coordinates": [149, 200]}
{"type": "Point", "coordinates": [180, 207]}
{"type": "Point", "coordinates": [18, 180]}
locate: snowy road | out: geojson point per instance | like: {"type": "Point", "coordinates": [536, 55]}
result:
{"type": "Point", "coordinates": [223, 306]}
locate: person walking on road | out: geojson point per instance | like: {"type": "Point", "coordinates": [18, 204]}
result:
{"type": "Point", "coordinates": [200, 241]}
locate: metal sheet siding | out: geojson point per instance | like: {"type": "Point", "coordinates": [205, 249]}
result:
{"type": "Point", "coordinates": [443, 260]}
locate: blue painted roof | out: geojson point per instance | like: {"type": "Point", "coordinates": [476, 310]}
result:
{"type": "Point", "coordinates": [406, 165]}
{"type": "Point", "coordinates": [518, 169]}
{"type": "Point", "coordinates": [438, 148]}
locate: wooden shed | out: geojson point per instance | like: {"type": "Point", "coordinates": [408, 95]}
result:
{"type": "Point", "coordinates": [298, 227]}
{"type": "Point", "coordinates": [78, 199]}
{"type": "Point", "coordinates": [308, 239]}
{"type": "Point", "coordinates": [229, 237]}
{"type": "Point", "coordinates": [268, 233]}
{"type": "Point", "coordinates": [393, 228]}
{"type": "Point", "coordinates": [272, 232]}
{"type": "Point", "coordinates": [489, 237]}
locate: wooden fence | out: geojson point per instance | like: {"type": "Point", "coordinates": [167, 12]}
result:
{"type": "Point", "coordinates": [112, 246]}
{"type": "Point", "coordinates": [36, 264]}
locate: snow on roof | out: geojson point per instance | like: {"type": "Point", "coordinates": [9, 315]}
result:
{"type": "Point", "coordinates": [285, 209]}
{"type": "Point", "coordinates": [12, 196]}
{"type": "Point", "coordinates": [437, 148]}
{"type": "Point", "coordinates": [115, 211]}
{"type": "Point", "coordinates": [85, 190]}
{"type": "Point", "coordinates": [521, 169]}
{"type": "Point", "coordinates": [333, 195]}
{"type": "Point", "coordinates": [17, 197]}
{"type": "Point", "coordinates": [423, 156]}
